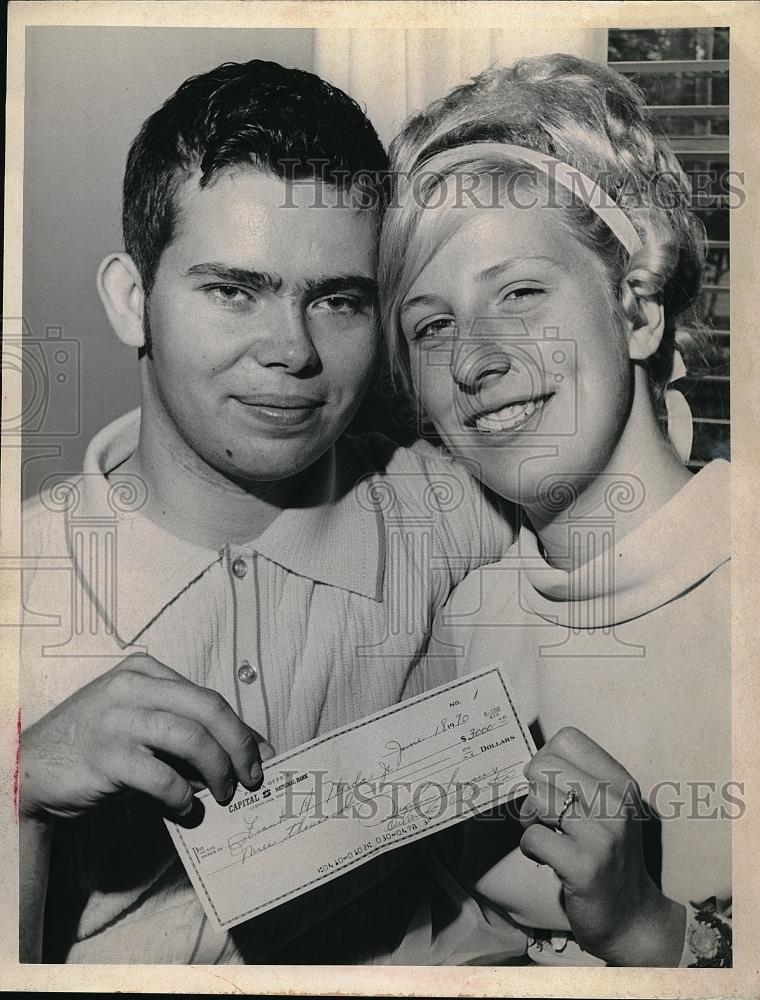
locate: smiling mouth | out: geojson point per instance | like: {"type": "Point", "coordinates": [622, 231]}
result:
{"type": "Point", "coordinates": [509, 417]}
{"type": "Point", "coordinates": [280, 410]}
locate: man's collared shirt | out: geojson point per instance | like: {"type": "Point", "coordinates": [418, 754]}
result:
{"type": "Point", "coordinates": [320, 620]}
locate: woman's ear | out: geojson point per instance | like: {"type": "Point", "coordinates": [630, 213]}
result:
{"type": "Point", "coordinates": [120, 290]}
{"type": "Point", "coordinates": [646, 329]}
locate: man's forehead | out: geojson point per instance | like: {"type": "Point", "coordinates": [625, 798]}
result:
{"type": "Point", "coordinates": [247, 200]}
{"type": "Point", "coordinates": [263, 189]}
{"type": "Point", "coordinates": [248, 218]}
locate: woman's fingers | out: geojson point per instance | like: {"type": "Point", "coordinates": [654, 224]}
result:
{"type": "Point", "coordinates": [585, 864]}
{"type": "Point", "coordinates": [576, 862]}
{"type": "Point", "coordinates": [551, 780]}
{"type": "Point", "coordinates": [551, 805]}
{"type": "Point", "coordinates": [580, 751]}
{"type": "Point", "coordinates": [541, 844]}
{"type": "Point", "coordinates": [563, 794]}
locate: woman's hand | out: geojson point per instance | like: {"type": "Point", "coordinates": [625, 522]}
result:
{"type": "Point", "coordinates": [583, 816]}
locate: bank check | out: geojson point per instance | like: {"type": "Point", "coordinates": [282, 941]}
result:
{"type": "Point", "coordinates": [343, 798]}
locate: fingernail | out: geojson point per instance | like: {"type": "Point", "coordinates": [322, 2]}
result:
{"type": "Point", "coordinates": [188, 808]}
{"type": "Point", "coordinates": [266, 750]}
{"type": "Point", "coordinates": [257, 775]}
{"type": "Point", "coordinates": [229, 791]}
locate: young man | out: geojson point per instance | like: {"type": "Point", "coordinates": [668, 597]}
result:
{"type": "Point", "coordinates": [256, 589]}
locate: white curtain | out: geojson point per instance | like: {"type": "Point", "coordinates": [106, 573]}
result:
{"type": "Point", "coordinates": [394, 71]}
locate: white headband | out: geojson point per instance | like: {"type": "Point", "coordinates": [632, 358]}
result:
{"type": "Point", "coordinates": [592, 195]}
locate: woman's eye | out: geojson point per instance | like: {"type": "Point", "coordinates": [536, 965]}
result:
{"type": "Point", "coordinates": [442, 326]}
{"type": "Point", "coordinates": [523, 292]}
{"type": "Point", "coordinates": [229, 296]}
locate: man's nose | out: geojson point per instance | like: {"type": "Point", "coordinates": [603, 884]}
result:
{"type": "Point", "coordinates": [283, 340]}
{"type": "Point", "coordinates": [475, 364]}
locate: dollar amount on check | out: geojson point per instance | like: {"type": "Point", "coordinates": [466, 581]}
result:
{"type": "Point", "coordinates": [334, 803]}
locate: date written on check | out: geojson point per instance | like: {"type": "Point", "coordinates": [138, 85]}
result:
{"type": "Point", "coordinates": [335, 802]}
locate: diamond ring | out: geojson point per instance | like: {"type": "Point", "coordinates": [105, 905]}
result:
{"type": "Point", "coordinates": [569, 799]}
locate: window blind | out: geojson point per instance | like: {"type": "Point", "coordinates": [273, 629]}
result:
{"type": "Point", "coordinates": [684, 74]}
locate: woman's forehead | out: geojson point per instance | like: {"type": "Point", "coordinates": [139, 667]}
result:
{"type": "Point", "coordinates": [476, 240]}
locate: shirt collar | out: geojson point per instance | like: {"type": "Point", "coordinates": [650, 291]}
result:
{"type": "Point", "coordinates": [334, 534]}
{"type": "Point", "coordinates": [330, 536]}
{"type": "Point", "coordinates": [667, 555]}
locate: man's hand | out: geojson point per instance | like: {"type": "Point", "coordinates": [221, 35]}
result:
{"type": "Point", "coordinates": [615, 910]}
{"type": "Point", "coordinates": [140, 727]}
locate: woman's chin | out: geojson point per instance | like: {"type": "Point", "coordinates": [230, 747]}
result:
{"type": "Point", "coordinates": [498, 468]}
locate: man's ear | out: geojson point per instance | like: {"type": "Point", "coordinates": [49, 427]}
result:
{"type": "Point", "coordinates": [120, 290]}
{"type": "Point", "coordinates": [646, 330]}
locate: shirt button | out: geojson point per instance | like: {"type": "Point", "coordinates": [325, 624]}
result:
{"type": "Point", "coordinates": [240, 568]}
{"type": "Point", "coordinates": [247, 673]}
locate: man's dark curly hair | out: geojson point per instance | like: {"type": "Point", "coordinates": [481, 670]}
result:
{"type": "Point", "coordinates": [284, 121]}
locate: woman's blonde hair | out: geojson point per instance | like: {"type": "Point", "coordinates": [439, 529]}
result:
{"type": "Point", "coordinates": [584, 115]}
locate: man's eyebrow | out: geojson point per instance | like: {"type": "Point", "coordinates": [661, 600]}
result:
{"type": "Point", "coordinates": [260, 281]}
{"type": "Point", "coordinates": [264, 281]}
{"type": "Point", "coordinates": [334, 284]}
{"type": "Point", "coordinates": [496, 269]}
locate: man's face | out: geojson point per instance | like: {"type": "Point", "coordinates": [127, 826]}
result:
{"type": "Point", "coordinates": [262, 320]}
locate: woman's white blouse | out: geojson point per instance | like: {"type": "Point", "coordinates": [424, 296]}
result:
{"type": "Point", "coordinates": [634, 650]}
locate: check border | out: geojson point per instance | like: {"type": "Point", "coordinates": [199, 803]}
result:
{"type": "Point", "coordinates": [380, 849]}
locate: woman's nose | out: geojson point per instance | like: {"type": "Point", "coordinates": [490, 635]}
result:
{"type": "Point", "coordinates": [475, 364]}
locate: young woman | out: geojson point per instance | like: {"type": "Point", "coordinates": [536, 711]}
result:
{"type": "Point", "coordinates": [539, 268]}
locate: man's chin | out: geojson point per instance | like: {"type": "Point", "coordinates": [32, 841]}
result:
{"type": "Point", "coordinates": [262, 468]}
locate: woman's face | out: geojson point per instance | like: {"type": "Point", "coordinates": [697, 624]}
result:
{"type": "Point", "coordinates": [515, 351]}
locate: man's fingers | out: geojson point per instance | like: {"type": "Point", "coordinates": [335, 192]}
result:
{"type": "Point", "coordinates": [188, 741]}
{"type": "Point", "coordinates": [238, 740]}
{"type": "Point", "coordinates": [142, 663]}
{"type": "Point", "coordinates": [181, 697]}
{"type": "Point", "coordinates": [143, 772]}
